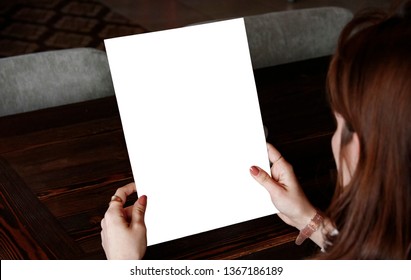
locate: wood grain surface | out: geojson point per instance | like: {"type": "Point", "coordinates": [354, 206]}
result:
{"type": "Point", "coordinates": [59, 167]}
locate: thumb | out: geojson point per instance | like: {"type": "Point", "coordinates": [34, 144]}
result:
{"type": "Point", "coordinates": [265, 180]}
{"type": "Point", "coordinates": [139, 210]}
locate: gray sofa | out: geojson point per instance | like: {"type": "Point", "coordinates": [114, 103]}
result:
{"type": "Point", "coordinates": [46, 79]}
{"type": "Point", "coordinates": [289, 36]}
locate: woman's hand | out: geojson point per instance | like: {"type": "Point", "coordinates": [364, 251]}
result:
{"type": "Point", "coordinates": [123, 231]}
{"type": "Point", "coordinates": [285, 191]}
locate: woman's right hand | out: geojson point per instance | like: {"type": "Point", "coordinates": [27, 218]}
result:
{"type": "Point", "coordinates": [285, 191]}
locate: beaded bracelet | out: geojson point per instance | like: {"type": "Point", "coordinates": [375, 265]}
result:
{"type": "Point", "coordinates": [309, 229]}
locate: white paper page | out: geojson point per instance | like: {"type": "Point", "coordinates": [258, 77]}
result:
{"type": "Point", "coordinates": [192, 124]}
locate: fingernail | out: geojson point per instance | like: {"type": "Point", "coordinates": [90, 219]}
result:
{"type": "Point", "coordinates": [143, 200]}
{"type": "Point", "coordinates": [254, 170]}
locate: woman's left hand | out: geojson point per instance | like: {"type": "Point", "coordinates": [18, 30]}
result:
{"type": "Point", "coordinates": [124, 233]}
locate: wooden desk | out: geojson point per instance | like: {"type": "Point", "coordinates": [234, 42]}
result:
{"type": "Point", "coordinates": [59, 167]}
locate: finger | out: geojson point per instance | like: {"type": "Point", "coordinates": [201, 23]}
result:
{"type": "Point", "coordinates": [281, 170]}
{"type": "Point", "coordinates": [273, 154]}
{"type": "Point", "coordinates": [122, 193]}
{"type": "Point", "coordinates": [139, 210]}
{"type": "Point", "coordinates": [125, 191]}
{"type": "Point", "coordinates": [128, 212]}
{"type": "Point", "coordinates": [265, 180]}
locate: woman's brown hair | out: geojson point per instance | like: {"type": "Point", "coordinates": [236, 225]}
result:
{"type": "Point", "coordinates": [369, 85]}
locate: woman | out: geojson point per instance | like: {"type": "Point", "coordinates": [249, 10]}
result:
{"type": "Point", "coordinates": [369, 88]}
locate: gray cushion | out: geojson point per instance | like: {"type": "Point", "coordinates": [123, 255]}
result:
{"type": "Point", "coordinates": [46, 79]}
{"type": "Point", "coordinates": [288, 36]}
